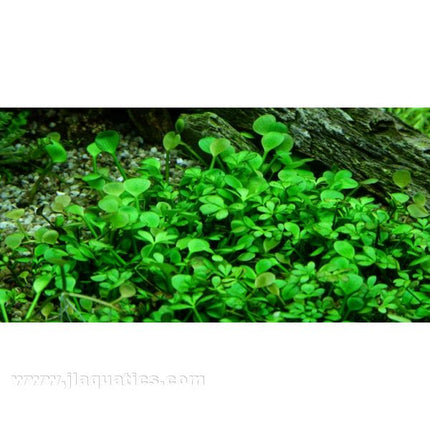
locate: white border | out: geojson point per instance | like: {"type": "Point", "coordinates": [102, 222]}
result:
{"type": "Point", "coordinates": [228, 53]}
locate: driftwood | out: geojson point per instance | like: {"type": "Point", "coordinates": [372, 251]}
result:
{"type": "Point", "coordinates": [369, 142]}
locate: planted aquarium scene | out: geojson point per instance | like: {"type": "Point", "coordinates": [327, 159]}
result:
{"type": "Point", "coordinates": [214, 215]}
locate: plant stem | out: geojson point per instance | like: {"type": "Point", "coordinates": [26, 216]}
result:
{"type": "Point", "coordinates": [194, 153]}
{"type": "Point", "coordinates": [100, 302]}
{"type": "Point", "coordinates": [63, 278]}
{"type": "Point", "coordinates": [33, 305]}
{"type": "Point", "coordinates": [118, 165]}
{"type": "Point", "coordinates": [167, 169]}
{"type": "Point", "coordinates": [4, 313]}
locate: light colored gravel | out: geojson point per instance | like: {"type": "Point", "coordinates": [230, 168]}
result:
{"type": "Point", "coordinates": [66, 179]}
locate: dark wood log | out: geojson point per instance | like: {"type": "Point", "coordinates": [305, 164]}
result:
{"type": "Point", "coordinates": [370, 143]}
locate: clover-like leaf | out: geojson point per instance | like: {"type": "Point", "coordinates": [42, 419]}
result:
{"type": "Point", "coordinates": [127, 289]}
{"type": "Point", "coordinates": [93, 150]}
{"type": "Point", "coordinates": [355, 303]}
{"type": "Point", "coordinates": [114, 188]}
{"type": "Point", "coordinates": [109, 204]}
{"type": "Point", "coordinates": [205, 144]}
{"type": "Point", "coordinates": [345, 249]}
{"type": "Point", "coordinates": [15, 214]}
{"type": "Point", "coordinates": [56, 151]}
{"type": "Point", "coordinates": [264, 279]}
{"type": "Point", "coordinates": [136, 186]}
{"type": "Point", "coordinates": [108, 141]}
{"type": "Point", "coordinates": [41, 282]}
{"type": "Point", "coordinates": [149, 219]}
{"type": "Point", "coordinates": [218, 146]}
{"type": "Point", "coordinates": [417, 211]}
{"type": "Point", "coordinates": [60, 203]}
{"type": "Point", "coordinates": [14, 240]}
{"type": "Point", "coordinates": [55, 256]}
{"type": "Point", "coordinates": [402, 178]}
{"type": "Point", "coordinates": [198, 245]}
{"type": "Point", "coordinates": [171, 140]}
{"type": "Point", "coordinates": [271, 140]}
{"type": "Point", "coordinates": [50, 237]}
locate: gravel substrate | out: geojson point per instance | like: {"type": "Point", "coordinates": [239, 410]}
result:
{"type": "Point", "coordinates": [66, 179]}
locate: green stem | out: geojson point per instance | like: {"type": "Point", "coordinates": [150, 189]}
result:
{"type": "Point", "coordinates": [118, 165]}
{"type": "Point", "coordinates": [93, 232]}
{"type": "Point", "coordinates": [4, 313]}
{"type": "Point", "coordinates": [167, 170]}
{"type": "Point", "coordinates": [36, 185]}
{"type": "Point", "coordinates": [100, 302]}
{"type": "Point", "coordinates": [199, 318]}
{"type": "Point", "coordinates": [63, 278]}
{"type": "Point", "coordinates": [194, 153]}
{"type": "Point", "coordinates": [33, 305]}
{"type": "Point", "coordinates": [212, 163]}
{"type": "Point", "coordinates": [95, 164]}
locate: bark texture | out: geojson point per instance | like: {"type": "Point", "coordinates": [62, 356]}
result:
{"type": "Point", "coordinates": [369, 142]}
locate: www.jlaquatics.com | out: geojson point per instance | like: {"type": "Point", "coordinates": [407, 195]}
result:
{"type": "Point", "coordinates": [71, 380]}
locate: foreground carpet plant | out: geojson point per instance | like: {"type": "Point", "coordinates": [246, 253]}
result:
{"type": "Point", "coordinates": [248, 237]}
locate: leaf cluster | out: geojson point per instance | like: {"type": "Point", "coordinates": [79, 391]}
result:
{"type": "Point", "coordinates": [252, 237]}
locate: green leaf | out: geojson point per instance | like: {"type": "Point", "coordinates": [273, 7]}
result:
{"type": "Point", "coordinates": [352, 284]}
{"type": "Point", "coordinates": [198, 245]}
{"type": "Point", "coordinates": [331, 195]}
{"type": "Point", "coordinates": [397, 318]}
{"type": "Point", "coordinates": [70, 283]}
{"type": "Point", "coordinates": [182, 283]}
{"type": "Point", "coordinates": [208, 208]}
{"type": "Point", "coordinates": [50, 237]}
{"type": "Point", "coordinates": [93, 149]}
{"type": "Point", "coordinates": [110, 204]}
{"type": "Point", "coordinates": [416, 211]}
{"type": "Point", "coordinates": [150, 219]}
{"type": "Point", "coordinates": [419, 199]}
{"type": "Point", "coordinates": [56, 151]}
{"type": "Point", "coordinates": [4, 296]}
{"type": "Point", "coordinates": [369, 181]}
{"type": "Point", "coordinates": [355, 303]}
{"type": "Point", "coordinates": [171, 140]}
{"type": "Point", "coordinates": [205, 144]}
{"type": "Point", "coordinates": [41, 282]}
{"type": "Point", "coordinates": [137, 186]}
{"type": "Point", "coordinates": [179, 125]}
{"type": "Point", "coordinates": [119, 219]}
{"type": "Point", "coordinates": [400, 197]}
{"type": "Point", "coordinates": [271, 140]}
{"type": "Point", "coordinates": [267, 123]}
{"type": "Point", "coordinates": [114, 188]}
{"type": "Point", "coordinates": [264, 265]}
{"type": "Point", "coordinates": [221, 214]}
{"type": "Point", "coordinates": [55, 256]}
{"type": "Point", "coordinates": [14, 240]}
{"type": "Point", "coordinates": [108, 141]}
{"type": "Point", "coordinates": [232, 181]}
{"type": "Point", "coordinates": [127, 289]}
{"type": "Point", "coordinates": [402, 229]}
{"type": "Point", "coordinates": [75, 210]}
{"type": "Point", "coordinates": [402, 178]}
{"type": "Point", "coordinates": [218, 146]}
{"type": "Point", "coordinates": [264, 280]}
{"type": "Point", "coordinates": [345, 249]}
{"type": "Point", "coordinates": [15, 214]}
{"type": "Point", "coordinates": [60, 203]}
{"type": "Point", "coordinates": [146, 236]}
{"type": "Point", "coordinates": [47, 309]}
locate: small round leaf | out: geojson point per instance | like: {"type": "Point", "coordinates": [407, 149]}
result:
{"type": "Point", "coordinates": [108, 141]}
{"type": "Point", "coordinates": [136, 186]}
